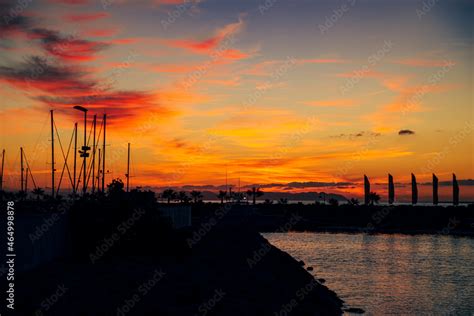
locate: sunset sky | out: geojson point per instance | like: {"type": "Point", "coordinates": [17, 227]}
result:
{"type": "Point", "coordinates": [291, 95]}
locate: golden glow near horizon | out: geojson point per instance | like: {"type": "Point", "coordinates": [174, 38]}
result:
{"type": "Point", "coordinates": [273, 93]}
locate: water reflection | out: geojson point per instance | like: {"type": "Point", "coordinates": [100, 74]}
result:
{"type": "Point", "coordinates": [390, 274]}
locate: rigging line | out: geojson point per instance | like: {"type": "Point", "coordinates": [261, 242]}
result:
{"type": "Point", "coordinates": [38, 139]}
{"type": "Point", "coordinates": [28, 166]}
{"type": "Point", "coordinates": [65, 161]}
{"type": "Point", "coordinates": [62, 150]}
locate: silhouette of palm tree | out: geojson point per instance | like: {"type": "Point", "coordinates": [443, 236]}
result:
{"type": "Point", "coordinates": [169, 194]}
{"type": "Point", "coordinates": [196, 195]}
{"type": "Point", "coordinates": [353, 202]}
{"type": "Point", "coordinates": [283, 201]}
{"type": "Point", "coordinates": [374, 198]}
{"type": "Point", "coordinates": [38, 192]}
{"type": "Point", "coordinates": [333, 202]}
{"type": "Point", "coordinates": [183, 197]}
{"type": "Point", "coordinates": [222, 195]}
{"type": "Point", "coordinates": [115, 187]}
{"type": "Point", "coordinates": [254, 193]}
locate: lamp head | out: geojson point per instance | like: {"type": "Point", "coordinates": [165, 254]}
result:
{"type": "Point", "coordinates": [80, 108]}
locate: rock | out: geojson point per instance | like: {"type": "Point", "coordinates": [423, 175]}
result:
{"type": "Point", "coordinates": [301, 262]}
{"type": "Point", "coordinates": [354, 310]}
{"type": "Point", "coordinates": [322, 281]}
{"type": "Point", "coordinates": [309, 268]}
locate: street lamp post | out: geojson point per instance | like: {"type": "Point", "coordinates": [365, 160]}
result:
{"type": "Point", "coordinates": [84, 148]}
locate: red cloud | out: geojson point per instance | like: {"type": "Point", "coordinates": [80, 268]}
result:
{"type": "Point", "coordinates": [86, 17]}
{"type": "Point", "coordinates": [67, 48]}
{"type": "Point", "coordinates": [206, 46]}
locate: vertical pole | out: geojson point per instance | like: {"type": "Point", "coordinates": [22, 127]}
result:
{"type": "Point", "coordinates": [3, 164]}
{"type": "Point", "coordinates": [21, 168]}
{"type": "Point", "coordinates": [93, 155]}
{"type": "Point", "coordinates": [52, 155]}
{"type": "Point", "coordinates": [98, 172]}
{"type": "Point", "coordinates": [84, 165]}
{"type": "Point", "coordinates": [103, 155]}
{"type": "Point", "coordinates": [75, 159]}
{"type": "Point", "coordinates": [128, 167]}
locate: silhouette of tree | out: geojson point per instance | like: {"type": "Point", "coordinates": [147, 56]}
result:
{"type": "Point", "coordinates": [115, 187]}
{"type": "Point", "coordinates": [196, 195]}
{"type": "Point", "coordinates": [169, 194]}
{"type": "Point", "coordinates": [323, 196]}
{"type": "Point", "coordinates": [238, 196]}
{"type": "Point", "coordinates": [333, 202]}
{"type": "Point", "coordinates": [222, 195]}
{"type": "Point", "coordinates": [183, 197]}
{"type": "Point", "coordinates": [283, 201]}
{"type": "Point", "coordinates": [38, 192]}
{"type": "Point", "coordinates": [268, 201]}
{"type": "Point", "coordinates": [254, 193]}
{"type": "Point", "coordinates": [374, 198]}
{"type": "Point", "coordinates": [353, 202]}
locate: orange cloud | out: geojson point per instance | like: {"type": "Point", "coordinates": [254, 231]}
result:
{"type": "Point", "coordinates": [321, 61]}
{"type": "Point", "coordinates": [332, 103]}
{"type": "Point", "coordinates": [424, 62]}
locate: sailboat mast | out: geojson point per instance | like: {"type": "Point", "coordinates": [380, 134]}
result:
{"type": "Point", "coordinates": [1, 175]}
{"type": "Point", "coordinates": [103, 154]}
{"type": "Point", "coordinates": [128, 167]}
{"type": "Point", "coordinates": [93, 154]}
{"type": "Point", "coordinates": [75, 158]}
{"type": "Point", "coordinates": [52, 155]}
{"type": "Point", "coordinates": [21, 168]}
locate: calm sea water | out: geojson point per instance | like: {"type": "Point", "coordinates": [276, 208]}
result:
{"type": "Point", "coordinates": [390, 274]}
